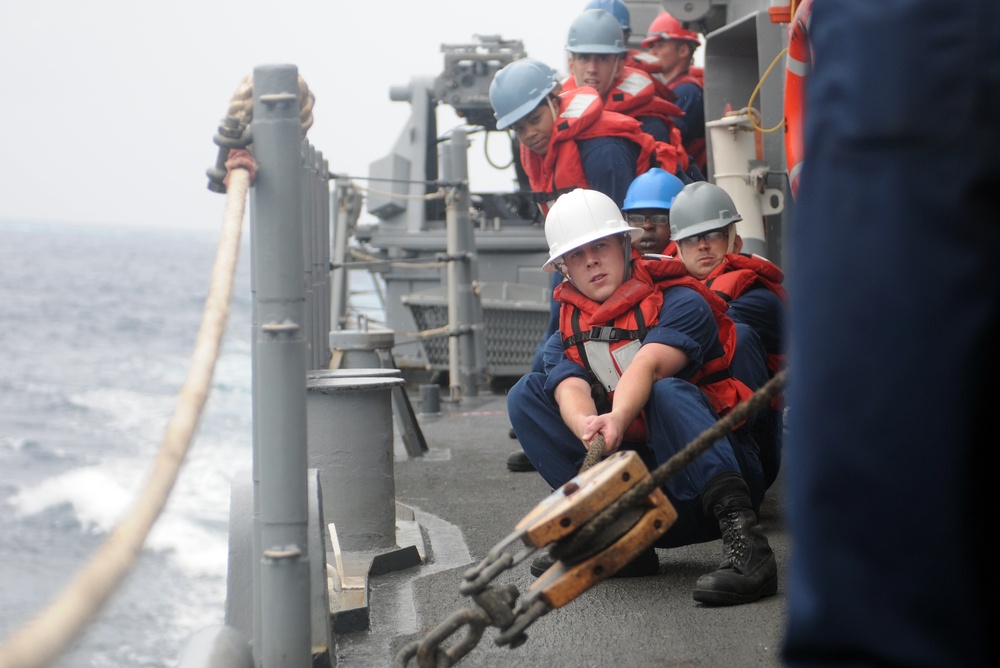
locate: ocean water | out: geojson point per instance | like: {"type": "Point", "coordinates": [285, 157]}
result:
{"type": "Point", "coordinates": [96, 329]}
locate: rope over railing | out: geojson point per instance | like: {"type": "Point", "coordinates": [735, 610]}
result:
{"type": "Point", "coordinates": [42, 640]}
{"type": "Point", "coordinates": [50, 634]}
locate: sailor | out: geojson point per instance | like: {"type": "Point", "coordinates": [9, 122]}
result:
{"type": "Point", "coordinates": [647, 206]}
{"type": "Point", "coordinates": [674, 46]}
{"type": "Point", "coordinates": [596, 47]}
{"type": "Point", "coordinates": [637, 58]}
{"type": "Point", "coordinates": [642, 357]}
{"type": "Point", "coordinates": [703, 227]}
{"type": "Point", "coordinates": [894, 363]}
{"type": "Point", "coordinates": [566, 141]}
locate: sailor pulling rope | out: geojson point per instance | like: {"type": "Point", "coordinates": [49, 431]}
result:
{"type": "Point", "coordinates": [497, 604]}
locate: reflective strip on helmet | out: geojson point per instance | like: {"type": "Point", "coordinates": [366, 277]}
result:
{"type": "Point", "coordinates": [634, 83]}
{"type": "Point", "coordinates": [578, 105]}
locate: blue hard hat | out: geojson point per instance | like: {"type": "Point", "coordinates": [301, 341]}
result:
{"type": "Point", "coordinates": [518, 88]}
{"type": "Point", "coordinates": [596, 31]}
{"type": "Point", "coordinates": [616, 8]}
{"type": "Point", "coordinates": [653, 189]}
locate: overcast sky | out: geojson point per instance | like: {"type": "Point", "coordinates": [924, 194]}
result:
{"type": "Point", "coordinates": [109, 107]}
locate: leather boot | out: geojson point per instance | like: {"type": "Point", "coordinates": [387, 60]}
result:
{"type": "Point", "coordinates": [748, 570]}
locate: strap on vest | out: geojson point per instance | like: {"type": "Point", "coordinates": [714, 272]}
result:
{"type": "Point", "coordinates": [718, 376]}
{"type": "Point", "coordinates": [597, 392]}
{"type": "Point", "coordinates": [604, 333]}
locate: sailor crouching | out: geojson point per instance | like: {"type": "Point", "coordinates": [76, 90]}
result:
{"type": "Point", "coordinates": [653, 345]}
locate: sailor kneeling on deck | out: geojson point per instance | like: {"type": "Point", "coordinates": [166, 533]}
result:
{"type": "Point", "coordinates": [642, 357]}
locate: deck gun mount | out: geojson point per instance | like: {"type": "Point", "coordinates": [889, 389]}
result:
{"type": "Point", "coordinates": [468, 71]}
{"type": "Point", "coordinates": [412, 166]}
{"type": "Point", "coordinates": [509, 238]}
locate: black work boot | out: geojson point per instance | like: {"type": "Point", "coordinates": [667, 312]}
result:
{"type": "Point", "coordinates": [748, 570]}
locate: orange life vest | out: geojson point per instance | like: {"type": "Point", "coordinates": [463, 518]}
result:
{"type": "Point", "coordinates": [651, 65]}
{"type": "Point", "coordinates": [604, 338]}
{"type": "Point", "coordinates": [696, 148]}
{"type": "Point", "coordinates": [581, 116]}
{"type": "Point", "coordinates": [736, 274]}
{"type": "Point", "coordinates": [634, 94]}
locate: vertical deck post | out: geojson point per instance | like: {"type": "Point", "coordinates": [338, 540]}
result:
{"type": "Point", "coordinates": [462, 299]}
{"type": "Point", "coordinates": [338, 281]}
{"type": "Point", "coordinates": [279, 368]}
{"type": "Point", "coordinates": [322, 195]}
{"type": "Point", "coordinates": [308, 215]}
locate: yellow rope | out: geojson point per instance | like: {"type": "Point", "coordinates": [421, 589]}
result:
{"type": "Point", "coordinates": [756, 90]}
{"type": "Point", "coordinates": [48, 636]}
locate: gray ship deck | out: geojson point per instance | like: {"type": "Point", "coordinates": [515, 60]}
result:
{"type": "Point", "coordinates": [466, 501]}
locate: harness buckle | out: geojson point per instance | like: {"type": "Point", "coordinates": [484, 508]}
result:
{"type": "Point", "coordinates": [602, 333]}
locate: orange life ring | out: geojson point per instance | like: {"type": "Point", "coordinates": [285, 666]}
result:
{"type": "Point", "coordinates": [797, 66]}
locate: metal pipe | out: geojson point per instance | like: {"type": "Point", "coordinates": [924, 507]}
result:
{"type": "Point", "coordinates": [306, 204]}
{"type": "Point", "coordinates": [462, 299]}
{"type": "Point", "coordinates": [338, 289]}
{"type": "Point", "coordinates": [451, 230]}
{"type": "Point", "coordinates": [323, 247]}
{"type": "Point", "coordinates": [279, 362]}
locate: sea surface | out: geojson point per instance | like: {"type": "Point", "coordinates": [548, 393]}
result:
{"type": "Point", "coordinates": [97, 326]}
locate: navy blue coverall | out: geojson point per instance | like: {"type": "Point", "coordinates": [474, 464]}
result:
{"type": "Point", "coordinates": [894, 339]}
{"type": "Point", "coordinates": [676, 413]}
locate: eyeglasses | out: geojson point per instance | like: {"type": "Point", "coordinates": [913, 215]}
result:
{"type": "Point", "coordinates": [714, 235]}
{"type": "Point", "coordinates": [638, 220]}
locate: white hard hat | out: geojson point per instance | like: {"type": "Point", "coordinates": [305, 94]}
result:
{"type": "Point", "coordinates": [580, 217]}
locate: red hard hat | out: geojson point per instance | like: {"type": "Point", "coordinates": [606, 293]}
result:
{"type": "Point", "coordinates": [665, 26]}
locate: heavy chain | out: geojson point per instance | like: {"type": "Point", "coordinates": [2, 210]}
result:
{"type": "Point", "coordinates": [496, 608]}
{"type": "Point", "coordinates": [560, 515]}
{"type": "Point", "coordinates": [603, 533]}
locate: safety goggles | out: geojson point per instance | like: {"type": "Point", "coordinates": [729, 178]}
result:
{"type": "Point", "coordinates": [638, 219]}
{"type": "Point", "coordinates": [714, 235]}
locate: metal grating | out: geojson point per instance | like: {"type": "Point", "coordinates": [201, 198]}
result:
{"type": "Point", "coordinates": [513, 330]}
{"type": "Point", "coordinates": [511, 336]}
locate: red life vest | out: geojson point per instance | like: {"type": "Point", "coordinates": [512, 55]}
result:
{"type": "Point", "coordinates": [696, 148]}
{"type": "Point", "coordinates": [581, 116]}
{"type": "Point", "coordinates": [695, 75]}
{"type": "Point", "coordinates": [634, 94]}
{"type": "Point", "coordinates": [736, 274]}
{"type": "Point", "coordinates": [651, 65]}
{"type": "Point", "coordinates": [604, 338]}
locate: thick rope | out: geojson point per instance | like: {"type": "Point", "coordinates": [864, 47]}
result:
{"type": "Point", "coordinates": [705, 440]}
{"type": "Point", "coordinates": [48, 636]}
{"type": "Point", "coordinates": [595, 453]}
{"type": "Point", "coordinates": [241, 104]}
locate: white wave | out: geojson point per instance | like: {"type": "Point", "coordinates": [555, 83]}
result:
{"type": "Point", "coordinates": [191, 530]}
{"type": "Point", "coordinates": [96, 497]}
{"type": "Point", "coordinates": [128, 411]}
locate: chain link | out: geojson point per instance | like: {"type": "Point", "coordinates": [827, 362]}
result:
{"type": "Point", "coordinates": [497, 605]}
